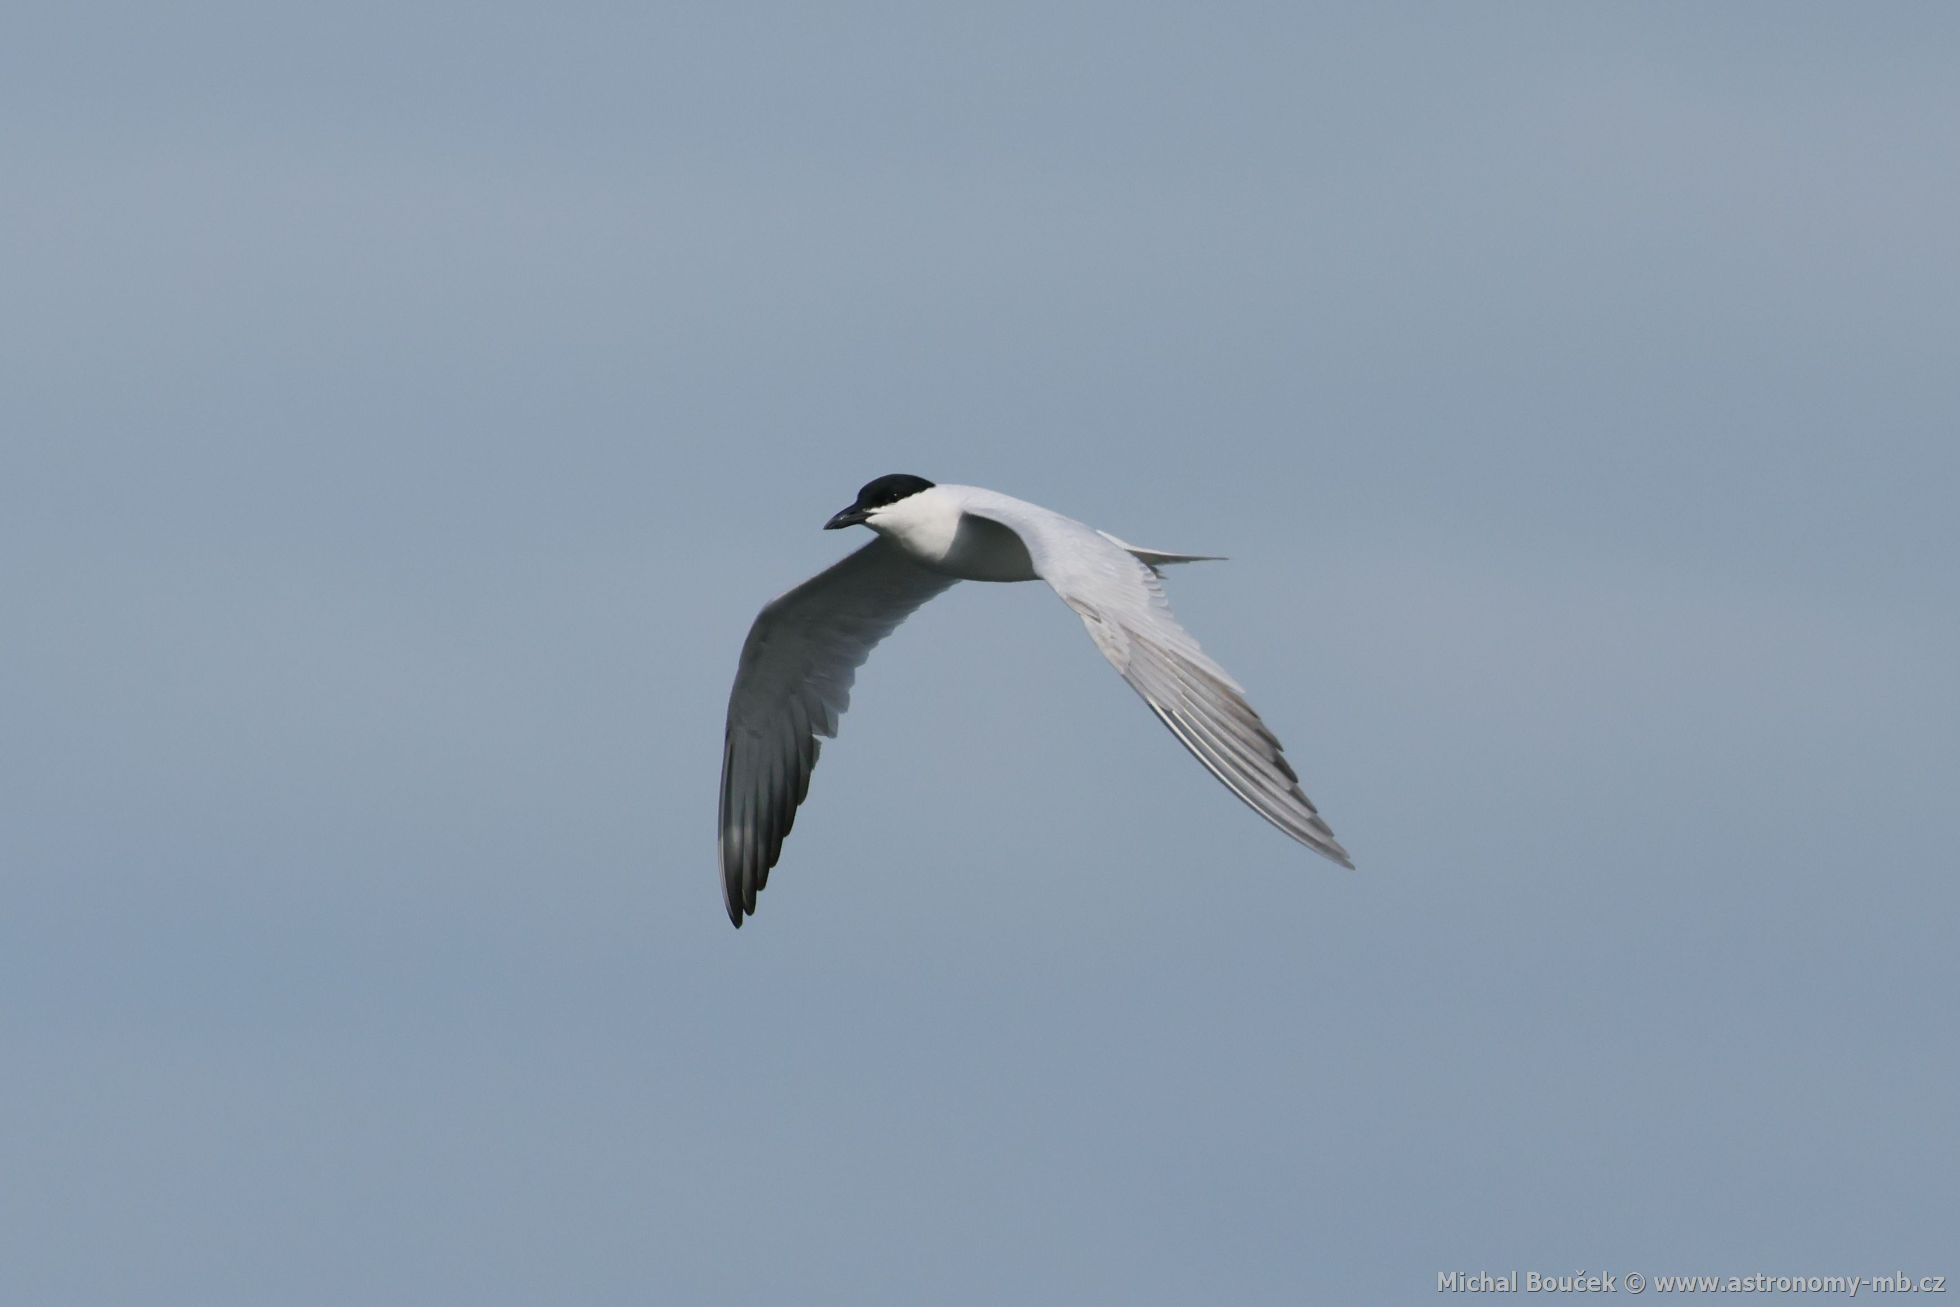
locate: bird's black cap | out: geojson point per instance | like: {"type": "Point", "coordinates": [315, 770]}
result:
{"type": "Point", "coordinates": [877, 494]}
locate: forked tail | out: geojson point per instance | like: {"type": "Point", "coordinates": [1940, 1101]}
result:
{"type": "Point", "coordinates": [1157, 557]}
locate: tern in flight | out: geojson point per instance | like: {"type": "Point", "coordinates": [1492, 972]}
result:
{"type": "Point", "coordinates": [803, 652]}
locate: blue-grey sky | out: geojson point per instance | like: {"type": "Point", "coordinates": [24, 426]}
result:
{"type": "Point", "coordinates": [404, 413]}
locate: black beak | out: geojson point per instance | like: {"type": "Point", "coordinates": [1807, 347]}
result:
{"type": "Point", "coordinates": [848, 517]}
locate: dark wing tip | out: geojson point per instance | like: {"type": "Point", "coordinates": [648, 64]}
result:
{"type": "Point", "coordinates": [1324, 842]}
{"type": "Point", "coordinates": [731, 891]}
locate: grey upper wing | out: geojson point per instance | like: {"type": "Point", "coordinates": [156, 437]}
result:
{"type": "Point", "coordinates": [793, 683]}
{"type": "Point", "coordinates": [1121, 600]}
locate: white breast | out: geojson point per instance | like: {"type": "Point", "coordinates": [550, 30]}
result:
{"type": "Point", "coordinates": [932, 529]}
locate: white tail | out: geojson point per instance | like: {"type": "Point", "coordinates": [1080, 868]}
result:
{"type": "Point", "coordinates": [1157, 557]}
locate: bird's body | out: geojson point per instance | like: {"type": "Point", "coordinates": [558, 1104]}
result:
{"type": "Point", "coordinates": [803, 651]}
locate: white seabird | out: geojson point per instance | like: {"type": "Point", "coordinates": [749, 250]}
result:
{"type": "Point", "coordinates": [803, 652]}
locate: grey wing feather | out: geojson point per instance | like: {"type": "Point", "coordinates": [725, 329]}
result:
{"type": "Point", "coordinates": [1120, 599]}
{"type": "Point", "coordinates": [793, 684]}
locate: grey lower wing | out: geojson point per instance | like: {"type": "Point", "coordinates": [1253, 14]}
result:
{"type": "Point", "coordinates": [794, 683]}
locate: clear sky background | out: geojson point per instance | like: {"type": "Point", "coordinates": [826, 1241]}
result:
{"type": "Point", "coordinates": [404, 411]}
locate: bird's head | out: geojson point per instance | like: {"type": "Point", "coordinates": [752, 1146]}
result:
{"type": "Point", "coordinates": [875, 497]}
